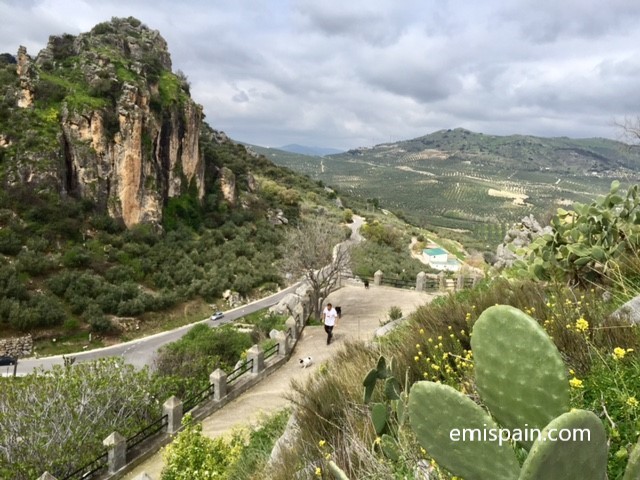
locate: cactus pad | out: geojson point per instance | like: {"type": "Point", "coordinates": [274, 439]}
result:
{"type": "Point", "coordinates": [435, 410]}
{"type": "Point", "coordinates": [576, 459]}
{"type": "Point", "coordinates": [379, 416]}
{"type": "Point", "coordinates": [519, 372]}
{"type": "Point", "coordinates": [633, 467]}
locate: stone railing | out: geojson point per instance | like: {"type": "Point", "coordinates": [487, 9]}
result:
{"type": "Point", "coordinates": [123, 454]}
{"type": "Point", "coordinates": [425, 282]}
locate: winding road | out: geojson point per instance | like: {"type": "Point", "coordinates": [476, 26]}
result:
{"type": "Point", "coordinates": [141, 352]}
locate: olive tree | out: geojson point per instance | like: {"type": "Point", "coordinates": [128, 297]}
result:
{"type": "Point", "coordinates": [313, 251]}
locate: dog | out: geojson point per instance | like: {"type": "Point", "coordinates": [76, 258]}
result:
{"type": "Point", "coordinates": [305, 362]}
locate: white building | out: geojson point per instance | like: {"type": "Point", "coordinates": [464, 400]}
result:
{"type": "Point", "coordinates": [440, 259]}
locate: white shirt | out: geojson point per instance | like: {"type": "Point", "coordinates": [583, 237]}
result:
{"type": "Point", "coordinates": [330, 316]}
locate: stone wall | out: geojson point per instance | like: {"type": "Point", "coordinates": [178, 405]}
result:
{"type": "Point", "coordinates": [16, 347]}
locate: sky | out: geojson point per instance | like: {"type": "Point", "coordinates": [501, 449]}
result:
{"type": "Point", "coordinates": [355, 73]}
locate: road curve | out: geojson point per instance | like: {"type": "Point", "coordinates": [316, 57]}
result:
{"type": "Point", "coordinates": [140, 352]}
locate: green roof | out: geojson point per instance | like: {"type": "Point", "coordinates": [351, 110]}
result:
{"type": "Point", "coordinates": [435, 251]}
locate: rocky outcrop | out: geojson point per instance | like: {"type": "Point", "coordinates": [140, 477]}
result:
{"type": "Point", "coordinates": [518, 236]}
{"type": "Point", "coordinates": [25, 76]}
{"type": "Point", "coordinates": [128, 130]}
{"type": "Point", "coordinates": [228, 185]}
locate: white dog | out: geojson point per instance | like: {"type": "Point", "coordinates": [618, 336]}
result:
{"type": "Point", "coordinates": [305, 362]}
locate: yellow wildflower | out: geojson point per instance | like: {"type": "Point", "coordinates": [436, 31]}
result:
{"type": "Point", "coordinates": [378, 440]}
{"type": "Point", "coordinates": [416, 358]}
{"type": "Point", "coordinates": [582, 325]}
{"type": "Point", "coordinates": [318, 472]}
{"type": "Point", "coordinates": [575, 382]}
{"type": "Point", "coordinates": [619, 353]}
{"type": "Point", "coordinates": [322, 443]}
{"type": "Point", "coordinates": [632, 402]}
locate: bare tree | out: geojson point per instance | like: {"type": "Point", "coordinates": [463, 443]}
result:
{"type": "Point", "coordinates": [630, 130]}
{"type": "Point", "coordinates": [314, 252]}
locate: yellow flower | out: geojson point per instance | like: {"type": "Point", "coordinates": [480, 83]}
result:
{"type": "Point", "coordinates": [378, 440]}
{"type": "Point", "coordinates": [422, 331]}
{"type": "Point", "coordinates": [582, 325]}
{"type": "Point", "coordinates": [632, 402]}
{"type": "Point", "coordinates": [327, 456]}
{"type": "Point", "coordinates": [619, 353]}
{"type": "Point", "coordinates": [416, 358]}
{"type": "Point", "coordinates": [417, 346]}
{"type": "Point", "coordinates": [318, 472]}
{"type": "Point", "coordinates": [435, 367]}
{"type": "Point", "coordinates": [449, 327]}
{"type": "Point", "coordinates": [575, 382]}
{"type": "Point", "coordinates": [572, 371]}
{"type": "Point", "coordinates": [322, 443]}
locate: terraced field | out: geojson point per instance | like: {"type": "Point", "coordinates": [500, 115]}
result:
{"type": "Point", "coordinates": [471, 187]}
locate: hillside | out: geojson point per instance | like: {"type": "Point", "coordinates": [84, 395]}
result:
{"type": "Point", "coordinates": [120, 208]}
{"type": "Point", "coordinates": [471, 186]}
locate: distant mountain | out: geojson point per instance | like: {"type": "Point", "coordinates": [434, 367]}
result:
{"type": "Point", "coordinates": [304, 150]}
{"type": "Point", "coordinates": [470, 186]}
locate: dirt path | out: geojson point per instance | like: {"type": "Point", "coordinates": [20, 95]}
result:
{"type": "Point", "coordinates": [362, 311]}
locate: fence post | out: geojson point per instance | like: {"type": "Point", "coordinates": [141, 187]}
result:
{"type": "Point", "coordinates": [117, 446]}
{"type": "Point", "coordinates": [377, 278]}
{"type": "Point", "coordinates": [442, 281]}
{"type": "Point", "coordinates": [292, 326]}
{"type": "Point", "coordinates": [460, 281]}
{"type": "Point", "coordinates": [421, 279]}
{"type": "Point", "coordinates": [47, 476]}
{"type": "Point", "coordinates": [257, 354]}
{"type": "Point", "coordinates": [173, 409]}
{"type": "Point", "coordinates": [219, 381]}
{"type": "Point", "coordinates": [283, 343]}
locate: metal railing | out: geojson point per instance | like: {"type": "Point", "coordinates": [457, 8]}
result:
{"type": "Point", "coordinates": [88, 470]}
{"type": "Point", "coordinates": [241, 370]}
{"type": "Point", "coordinates": [271, 351]}
{"type": "Point", "coordinates": [148, 431]}
{"type": "Point", "coordinates": [194, 400]}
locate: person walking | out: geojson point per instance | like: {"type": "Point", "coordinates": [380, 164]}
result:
{"type": "Point", "coordinates": [329, 317]}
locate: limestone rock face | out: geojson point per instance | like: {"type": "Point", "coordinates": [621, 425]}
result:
{"type": "Point", "coordinates": [25, 76]}
{"type": "Point", "coordinates": [520, 235]}
{"type": "Point", "coordinates": [128, 130]}
{"type": "Point", "coordinates": [228, 185]}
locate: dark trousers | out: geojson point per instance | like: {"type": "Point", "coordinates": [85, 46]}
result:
{"type": "Point", "coordinates": [329, 330]}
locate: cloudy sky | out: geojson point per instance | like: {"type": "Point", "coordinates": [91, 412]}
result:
{"type": "Point", "coordinates": [349, 73]}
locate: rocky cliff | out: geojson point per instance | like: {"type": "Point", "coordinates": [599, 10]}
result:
{"type": "Point", "coordinates": [101, 116]}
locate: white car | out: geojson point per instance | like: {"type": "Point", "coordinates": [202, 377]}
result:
{"type": "Point", "coordinates": [216, 316]}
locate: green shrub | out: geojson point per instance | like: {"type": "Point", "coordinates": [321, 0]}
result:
{"type": "Point", "coordinates": [192, 456]}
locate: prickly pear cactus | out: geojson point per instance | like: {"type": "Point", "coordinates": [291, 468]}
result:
{"type": "Point", "coordinates": [577, 459]}
{"type": "Point", "coordinates": [519, 372]}
{"type": "Point", "coordinates": [435, 410]}
{"type": "Point", "coordinates": [633, 467]}
{"type": "Point", "coordinates": [379, 417]}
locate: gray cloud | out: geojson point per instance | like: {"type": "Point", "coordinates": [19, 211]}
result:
{"type": "Point", "coordinates": [347, 74]}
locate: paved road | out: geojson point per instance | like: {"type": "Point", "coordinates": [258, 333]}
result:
{"type": "Point", "coordinates": [140, 352]}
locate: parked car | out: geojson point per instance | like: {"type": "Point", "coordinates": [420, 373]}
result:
{"type": "Point", "coordinates": [217, 316]}
{"type": "Point", "coordinates": [6, 360]}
